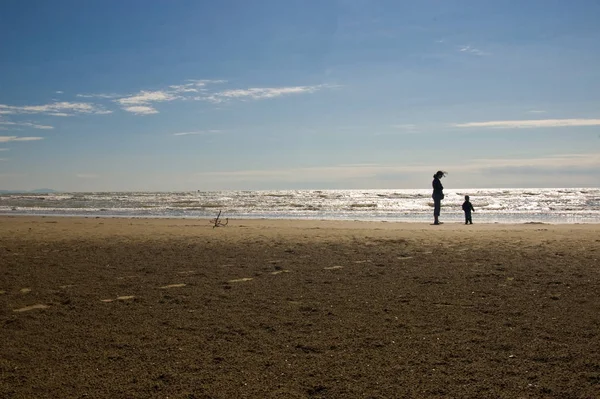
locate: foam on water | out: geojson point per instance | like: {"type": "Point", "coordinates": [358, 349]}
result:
{"type": "Point", "coordinates": [574, 205]}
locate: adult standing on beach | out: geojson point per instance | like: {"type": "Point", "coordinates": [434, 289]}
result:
{"type": "Point", "coordinates": [438, 195]}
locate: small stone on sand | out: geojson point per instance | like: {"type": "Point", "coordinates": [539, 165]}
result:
{"type": "Point", "coordinates": [172, 286]}
{"type": "Point", "coordinates": [241, 280]}
{"type": "Point", "coordinates": [32, 307]}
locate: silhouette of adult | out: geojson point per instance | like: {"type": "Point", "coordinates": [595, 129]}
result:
{"type": "Point", "coordinates": [438, 195]}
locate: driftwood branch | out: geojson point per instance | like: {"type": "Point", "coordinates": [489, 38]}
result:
{"type": "Point", "coordinates": [217, 223]}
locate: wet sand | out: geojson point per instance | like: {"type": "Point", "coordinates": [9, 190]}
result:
{"type": "Point", "coordinates": [157, 308]}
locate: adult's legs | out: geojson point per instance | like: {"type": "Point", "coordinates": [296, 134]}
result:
{"type": "Point", "coordinates": [437, 204]}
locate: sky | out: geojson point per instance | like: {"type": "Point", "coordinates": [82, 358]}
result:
{"type": "Point", "coordinates": [148, 95]}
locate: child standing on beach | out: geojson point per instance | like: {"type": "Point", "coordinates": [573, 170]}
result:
{"type": "Point", "coordinates": [468, 207]}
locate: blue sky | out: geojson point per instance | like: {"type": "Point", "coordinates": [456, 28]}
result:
{"type": "Point", "coordinates": [284, 94]}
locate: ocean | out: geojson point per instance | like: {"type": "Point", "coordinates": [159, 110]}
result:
{"type": "Point", "coordinates": [547, 205]}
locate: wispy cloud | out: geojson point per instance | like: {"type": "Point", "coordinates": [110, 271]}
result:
{"type": "Point", "coordinates": [334, 173]}
{"type": "Point", "coordinates": [144, 102]}
{"type": "Point", "coordinates": [185, 88]}
{"type": "Point", "coordinates": [196, 91]}
{"type": "Point", "coordinates": [141, 103]}
{"type": "Point", "coordinates": [36, 126]}
{"type": "Point", "coordinates": [554, 161]}
{"type": "Point", "coordinates": [4, 149]}
{"type": "Point", "coordinates": [199, 132]}
{"type": "Point", "coordinates": [147, 97]}
{"type": "Point", "coordinates": [259, 93]}
{"type": "Point", "coordinates": [62, 108]}
{"type": "Point", "coordinates": [204, 82]}
{"type": "Point", "coordinates": [102, 96]}
{"type": "Point", "coordinates": [349, 173]}
{"type": "Point", "coordinates": [532, 123]}
{"type": "Point", "coordinates": [26, 124]}
{"type": "Point", "coordinates": [141, 110]}
{"type": "Point", "coordinates": [536, 111]}
{"type": "Point", "coordinates": [6, 139]}
{"type": "Point", "coordinates": [195, 86]}
{"type": "Point", "coordinates": [59, 92]}
{"type": "Point", "coordinates": [472, 50]}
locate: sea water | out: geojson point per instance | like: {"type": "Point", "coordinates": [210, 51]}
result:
{"type": "Point", "coordinates": [566, 205]}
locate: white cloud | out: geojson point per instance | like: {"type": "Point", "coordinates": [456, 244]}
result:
{"type": "Point", "coordinates": [87, 176]}
{"type": "Point", "coordinates": [103, 96]}
{"type": "Point", "coordinates": [62, 108]}
{"type": "Point", "coordinates": [536, 111]}
{"type": "Point", "coordinates": [532, 123]}
{"type": "Point", "coordinates": [186, 88]}
{"type": "Point", "coordinates": [4, 149]}
{"type": "Point", "coordinates": [142, 103]}
{"type": "Point", "coordinates": [5, 139]}
{"type": "Point", "coordinates": [195, 86]}
{"type": "Point", "coordinates": [141, 110]}
{"type": "Point", "coordinates": [35, 126]}
{"type": "Point", "coordinates": [199, 132]}
{"type": "Point", "coordinates": [258, 93]}
{"type": "Point", "coordinates": [146, 97]}
{"type": "Point", "coordinates": [472, 50]}
{"type": "Point", "coordinates": [26, 124]}
{"type": "Point", "coordinates": [139, 103]}
{"type": "Point", "coordinates": [59, 92]}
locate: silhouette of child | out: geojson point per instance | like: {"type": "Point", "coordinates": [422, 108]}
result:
{"type": "Point", "coordinates": [468, 207]}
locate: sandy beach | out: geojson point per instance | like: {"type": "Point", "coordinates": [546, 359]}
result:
{"type": "Point", "coordinates": [174, 308]}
